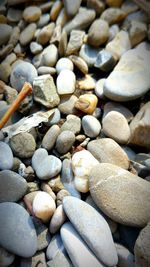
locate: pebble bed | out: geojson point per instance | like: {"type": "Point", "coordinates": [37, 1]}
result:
{"type": "Point", "coordinates": [75, 156]}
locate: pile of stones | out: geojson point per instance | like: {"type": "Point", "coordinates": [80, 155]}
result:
{"type": "Point", "coordinates": [75, 190]}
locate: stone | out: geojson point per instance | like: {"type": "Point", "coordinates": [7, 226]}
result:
{"type": "Point", "coordinates": [45, 34]}
{"type": "Point", "coordinates": [141, 249]}
{"type": "Point", "coordinates": [98, 32]}
{"type": "Point", "coordinates": [106, 150]}
{"type": "Point", "coordinates": [97, 5]}
{"type": "Point", "coordinates": [5, 71]}
{"type": "Point", "coordinates": [91, 126]}
{"type": "Point", "coordinates": [86, 83]}
{"type": "Point", "coordinates": [130, 68]}
{"type": "Point", "coordinates": [35, 48]}
{"type": "Point", "coordinates": [128, 236]}
{"type": "Point", "coordinates": [125, 257]}
{"type": "Point", "coordinates": [119, 45]}
{"type": "Point", "coordinates": [43, 20]}
{"type": "Point", "coordinates": [26, 71]}
{"type": "Point", "coordinates": [60, 260]}
{"type": "Point", "coordinates": [6, 157]}
{"type": "Point", "coordinates": [80, 214]}
{"type": "Point", "coordinates": [37, 259]}
{"type": "Point", "coordinates": [14, 37]}
{"type": "Point", "coordinates": [111, 188]}
{"type": "Point", "coordinates": [137, 32]}
{"type": "Point", "coordinates": [72, 123]}
{"type": "Point", "coordinates": [55, 118]}
{"type": "Point", "coordinates": [61, 195]}
{"type": "Point", "coordinates": [43, 206]}
{"type": "Point", "coordinates": [54, 247]}
{"type": "Point", "coordinates": [75, 42]}
{"type": "Point", "coordinates": [57, 220]}
{"type": "Point", "coordinates": [12, 186]}
{"type": "Point", "coordinates": [6, 258]}
{"type": "Point", "coordinates": [55, 10]}
{"type": "Point", "coordinates": [23, 145]}
{"type": "Point", "coordinates": [113, 30]}
{"type": "Point", "coordinates": [116, 3]}
{"type": "Point", "coordinates": [89, 54]}
{"type": "Point", "coordinates": [63, 44]}
{"type": "Point", "coordinates": [44, 91]}
{"type": "Point", "coordinates": [112, 106]}
{"type": "Point", "coordinates": [65, 141]}
{"type": "Point", "coordinates": [76, 248]}
{"type": "Point", "coordinates": [81, 20]}
{"type": "Point", "coordinates": [64, 64]}
{"type": "Point", "coordinates": [66, 82]}
{"type": "Point", "coordinates": [99, 88]}
{"type": "Point", "coordinates": [20, 240]}
{"type": "Point", "coordinates": [43, 235]}
{"type": "Point", "coordinates": [82, 170]}
{"type": "Point", "coordinates": [87, 103]}
{"type": "Point", "coordinates": [67, 103]}
{"type": "Point", "coordinates": [46, 70]}
{"type": "Point", "coordinates": [31, 13]}
{"type": "Point", "coordinates": [113, 15]}
{"type": "Point", "coordinates": [140, 127]}
{"type": "Point", "coordinates": [14, 14]}
{"type": "Point", "coordinates": [27, 34]}
{"type": "Point", "coordinates": [72, 7]}
{"type": "Point", "coordinates": [49, 56]}
{"type": "Point", "coordinates": [105, 61]}
{"type": "Point", "coordinates": [50, 137]}
{"type": "Point", "coordinates": [46, 166]}
{"type": "Point", "coordinates": [79, 63]}
{"type": "Point", "coordinates": [116, 127]}
{"type": "Point", "coordinates": [5, 32]}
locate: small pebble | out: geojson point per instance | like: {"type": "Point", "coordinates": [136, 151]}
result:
{"type": "Point", "coordinates": [57, 220]}
{"type": "Point", "coordinates": [50, 137]}
{"type": "Point", "coordinates": [91, 126]}
{"type": "Point", "coordinates": [64, 64]}
{"type": "Point", "coordinates": [31, 13]}
{"type": "Point", "coordinates": [6, 157]}
{"type": "Point", "coordinates": [66, 82]}
{"type": "Point", "coordinates": [65, 141]}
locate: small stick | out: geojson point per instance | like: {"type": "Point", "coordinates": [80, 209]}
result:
{"type": "Point", "coordinates": [26, 90]}
{"type": "Point", "coordinates": [143, 5]}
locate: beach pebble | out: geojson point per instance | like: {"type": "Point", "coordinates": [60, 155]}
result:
{"type": "Point", "coordinates": [54, 247]}
{"type": "Point", "coordinates": [21, 240]}
{"type": "Point", "coordinates": [49, 56]}
{"type": "Point", "coordinates": [79, 63]}
{"type": "Point", "coordinates": [99, 88]}
{"type": "Point", "coordinates": [46, 70]}
{"type": "Point", "coordinates": [14, 14]}
{"type": "Point", "coordinates": [137, 32]}
{"type": "Point", "coordinates": [105, 60]}
{"type": "Point", "coordinates": [6, 258]}
{"type": "Point", "coordinates": [87, 103]}
{"type": "Point", "coordinates": [35, 48]}
{"type": "Point", "coordinates": [6, 157]}
{"type": "Point", "coordinates": [75, 42]}
{"type": "Point", "coordinates": [72, 6]}
{"type": "Point", "coordinates": [113, 15]}
{"type": "Point", "coordinates": [55, 118]}
{"type": "Point", "coordinates": [125, 257]}
{"type": "Point", "coordinates": [61, 195]}
{"type": "Point", "coordinates": [64, 64]}
{"type": "Point", "coordinates": [27, 34]}
{"type": "Point", "coordinates": [5, 71]}
{"type": "Point", "coordinates": [89, 54]}
{"type": "Point", "coordinates": [57, 220]}
{"type": "Point", "coordinates": [31, 13]}
{"type": "Point", "coordinates": [91, 126]}
{"type": "Point", "coordinates": [5, 32]}
{"type": "Point", "coordinates": [106, 150]}
{"type": "Point", "coordinates": [43, 20]}
{"type": "Point", "coordinates": [97, 5]}
{"type": "Point", "coordinates": [50, 137]}
{"type": "Point", "coordinates": [66, 82]}
{"type": "Point", "coordinates": [115, 106]}
{"type": "Point", "coordinates": [67, 104]}
{"type": "Point", "coordinates": [23, 145]}
{"type": "Point", "coordinates": [43, 206]}
{"type": "Point", "coordinates": [43, 235]}
{"type": "Point", "coordinates": [65, 141]}
{"type": "Point", "coordinates": [72, 123]}
{"type": "Point", "coordinates": [98, 32]}
{"type": "Point", "coordinates": [45, 34]}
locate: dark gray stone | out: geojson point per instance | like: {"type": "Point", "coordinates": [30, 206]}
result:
{"type": "Point", "coordinates": [105, 61]}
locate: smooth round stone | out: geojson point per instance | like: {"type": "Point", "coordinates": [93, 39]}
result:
{"type": "Point", "coordinates": [67, 104]}
{"type": "Point", "coordinates": [81, 214]}
{"type": "Point", "coordinates": [122, 203]}
{"type": "Point", "coordinates": [35, 48]}
{"type": "Point", "coordinates": [49, 56]}
{"type": "Point", "coordinates": [61, 195]}
{"type": "Point", "coordinates": [129, 73]}
{"type": "Point", "coordinates": [31, 13]}
{"type": "Point", "coordinates": [23, 145]}
{"type": "Point", "coordinates": [112, 106]}
{"type": "Point", "coordinates": [79, 63]}
{"type": "Point", "coordinates": [89, 54]}
{"type": "Point", "coordinates": [12, 186]}
{"type": "Point", "coordinates": [65, 82]}
{"type": "Point", "coordinates": [125, 257]}
{"type": "Point", "coordinates": [50, 137]}
{"type": "Point", "coordinates": [72, 6]}
{"type": "Point", "coordinates": [57, 220]}
{"type": "Point", "coordinates": [6, 157]}
{"type": "Point", "coordinates": [64, 64]}
{"type": "Point", "coordinates": [5, 32]}
{"type": "Point", "coordinates": [14, 14]}
{"type": "Point", "coordinates": [44, 35]}
{"type": "Point", "coordinates": [106, 150]}
{"type": "Point", "coordinates": [113, 15]}
{"type": "Point", "coordinates": [137, 32]}
{"type": "Point", "coordinates": [44, 19]}
{"type": "Point", "coordinates": [46, 70]}
{"type": "Point", "coordinates": [20, 240]}
{"type": "Point", "coordinates": [26, 71]}
{"type": "Point", "coordinates": [98, 32]}
{"type": "Point", "coordinates": [65, 141]}
{"type": "Point", "coordinates": [27, 34]}
{"type": "Point", "coordinates": [99, 88]}
{"type": "Point", "coordinates": [54, 247]}
{"type": "Point", "coordinates": [46, 166]}
{"type": "Point", "coordinates": [72, 123]}
{"type": "Point", "coordinates": [116, 127]}
{"type": "Point", "coordinates": [76, 248]}
{"type": "Point", "coordinates": [91, 126]}
{"type": "Point", "coordinates": [6, 258]}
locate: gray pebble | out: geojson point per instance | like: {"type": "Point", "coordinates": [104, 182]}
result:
{"type": "Point", "coordinates": [6, 258]}
{"type": "Point", "coordinates": [89, 54]}
{"type": "Point", "coordinates": [44, 19]}
{"type": "Point", "coordinates": [65, 141]}
{"type": "Point", "coordinates": [50, 137]}
{"type": "Point", "coordinates": [43, 235]}
{"type": "Point", "coordinates": [6, 157]}
{"type": "Point", "coordinates": [5, 32]}
{"type": "Point", "coordinates": [55, 118]}
{"type": "Point", "coordinates": [27, 34]}
{"type": "Point", "coordinates": [105, 61]}
{"type": "Point", "coordinates": [35, 48]}
{"type": "Point", "coordinates": [46, 70]}
{"type": "Point", "coordinates": [72, 123]}
{"type": "Point", "coordinates": [14, 14]}
{"type": "Point", "coordinates": [91, 126]}
{"type": "Point", "coordinates": [54, 246]}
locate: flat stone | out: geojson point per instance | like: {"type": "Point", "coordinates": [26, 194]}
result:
{"type": "Point", "coordinates": [126, 80]}
{"type": "Point", "coordinates": [27, 34]}
{"type": "Point", "coordinates": [6, 157]}
{"type": "Point", "coordinates": [79, 63]}
{"type": "Point", "coordinates": [91, 126]}
{"type": "Point", "coordinates": [106, 150]}
{"type": "Point", "coordinates": [31, 13]}
{"type": "Point", "coordinates": [64, 141]}
{"type": "Point", "coordinates": [105, 61]}
{"type": "Point", "coordinates": [66, 82]}
{"type": "Point", "coordinates": [122, 203]}
{"type": "Point", "coordinates": [50, 137]}
{"type": "Point", "coordinates": [81, 214]}
{"type": "Point", "coordinates": [54, 247]}
{"type": "Point", "coordinates": [98, 32]}
{"type": "Point", "coordinates": [72, 6]}
{"type": "Point", "coordinates": [6, 258]}
{"type": "Point", "coordinates": [12, 186]}
{"type": "Point", "coordinates": [20, 240]}
{"type": "Point", "coordinates": [89, 54]}
{"type": "Point", "coordinates": [44, 91]}
{"type": "Point", "coordinates": [76, 248]}
{"type": "Point", "coordinates": [75, 42]}
{"type": "Point", "coordinates": [113, 15]}
{"type": "Point", "coordinates": [72, 123]}
{"type": "Point", "coordinates": [5, 32]}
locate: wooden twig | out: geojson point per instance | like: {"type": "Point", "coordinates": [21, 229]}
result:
{"type": "Point", "coordinates": [143, 4]}
{"type": "Point", "coordinates": [26, 90]}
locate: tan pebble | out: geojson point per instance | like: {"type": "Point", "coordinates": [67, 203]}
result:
{"type": "Point", "coordinates": [87, 83]}
{"type": "Point", "coordinates": [55, 39]}
{"type": "Point", "coordinates": [46, 188]}
{"type": "Point", "coordinates": [3, 19]}
{"type": "Point", "coordinates": [56, 184]}
{"type": "Point", "coordinates": [45, 34]}
{"type": "Point", "coordinates": [31, 13]}
{"type": "Point", "coordinates": [57, 220]}
{"type": "Point", "coordinates": [62, 18]}
{"type": "Point", "coordinates": [62, 44]}
{"type": "Point", "coordinates": [114, 3]}
{"type": "Point", "coordinates": [2, 87]}
{"type": "Point", "coordinates": [87, 103]}
{"type": "Point", "coordinates": [113, 15]}
{"type": "Point", "coordinates": [60, 195]}
{"type": "Point", "coordinates": [79, 63]}
{"type": "Point", "coordinates": [55, 10]}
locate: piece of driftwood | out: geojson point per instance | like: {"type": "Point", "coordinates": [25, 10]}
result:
{"type": "Point", "coordinates": [144, 5]}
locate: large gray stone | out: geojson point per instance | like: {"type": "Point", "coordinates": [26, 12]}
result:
{"type": "Point", "coordinates": [72, 6]}
{"type": "Point", "coordinates": [6, 157]}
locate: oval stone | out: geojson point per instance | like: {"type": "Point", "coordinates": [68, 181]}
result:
{"type": "Point", "coordinates": [6, 157]}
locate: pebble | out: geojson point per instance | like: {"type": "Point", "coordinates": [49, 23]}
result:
{"type": "Point", "coordinates": [57, 220]}
{"type": "Point", "coordinates": [12, 186]}
{"type": "Point", "coordinates": [61, 195]}
{"type": "Point", "coordinates": [65, 141]}
{"type": "Point", "coordinates": [99, 88]}
{"type": "Point", "coordinates": [46, 166]}
{"type": "Point", "coordinates": [79, 63]}
{"type": "Point", "coordinates": [20, 240]}
{"type": "Point", "coordinates": [37, 259]}
{"type": "Point", "coordinates": [91, 126]}
{"type": "Point", "coordinates": [113, 30]}
{"type": "Point", "coordinates": [50, 137]}
{"type": "Point", "coordinates": [43, 235]}
{"type": "Point", "coordinates": [76, 248]}
{"type": "Point", "coordinates": [88, 54]}
{"type": "Point", "coordinates": [114, 106]}
{"type": "Point", "coordinates": [125, 257]}
{"type": "Point", "coordinates": [66, 82]}
{"type": "Point", "coordinates": [64, 64]}
{"type": "Point", "coordinates": [43, 206]}
{"type": "Point", "coordinates": [87, 103]}
{"type": "Point", "coordinates": [80, 214]}
{"type": "Point", "coordinates": [97, 5]}
{"type": "Point", "coordinates": [113, 15]}
{"type": "Point", "coordinates": [35, 48]}
{"type": "Point", "coordinates": [106, 150]}
{"type": "Point", "coordinates": [122, 204]}
{"type": "Point", "coordinates": [27, 34]}
{"type": "Point", "coordinates": [55, 10]}
{"type": "Point", "coordinates": [26, 71]}
{"type": "Point", "coordinates": [75, 42]}
{"type": "Point", "coordinates": [5, 71]}
{"type": "Point", "coordinates": [137, 32]}
{"type": "Point", "coordinates": [6, 258]}
{"type": "Point", "coordinates": [67, 104]}
{"type": "Point", "coordinates": [72, 123]}
{"type": "Point", "coordinates": [14, 14]}
{"type": "Point", "coordinates": [105, 61]}
{"type": "Point", "coordinates": [46, 70]}
{"type": "Point", "coordinates": [61, 259]}
{"type": "Point", "coordinates": [6, 157]}
{"type": "Point", "coordinates": [55, 118]}
{"type": "Point", "coordinates": [72, 7]}
{"type": "Point", "coordinates": [5, 32]}
{"type": "Point", "coordinates": [81, 170]}
{"type": "Point", "coordinates": [31, 14]}
{"type": "Point", "coordinates": [141, 249]}
{"type": "Point", "coordinates": [44, 91]}
{"type": "Point", "coordinates": [45, 34]}
{"type": "Point", "coordinates": [98, 33]}
{"type": "Point", "coordinates": [49, 56]}
{"type": "Point", "coordinates": [43, 20]}
{"type": "Point", "coordinates": [23, 145]}
{"type": "Point", "coordinates": [116, 127]}
{"type": "Point", "coordinates": [116, 3]}
{"type": "Point", "coordinates": [54, 247]}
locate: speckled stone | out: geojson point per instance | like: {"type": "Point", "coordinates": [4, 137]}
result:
{"type": "Point", "coordinates": [6, 157]}
{"type": "Point", "coordinates": [75, 42]}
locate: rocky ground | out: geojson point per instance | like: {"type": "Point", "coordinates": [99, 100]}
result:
{"type": "Point", "coordinates": [75, 156]}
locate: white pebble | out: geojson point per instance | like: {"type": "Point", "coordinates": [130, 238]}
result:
{"type": "Point", "coordinates": [64, 64]}
{"type": "Point", "coordinates": [91, 126]}
{"type": "Point", "coordinates": [66, 81]}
